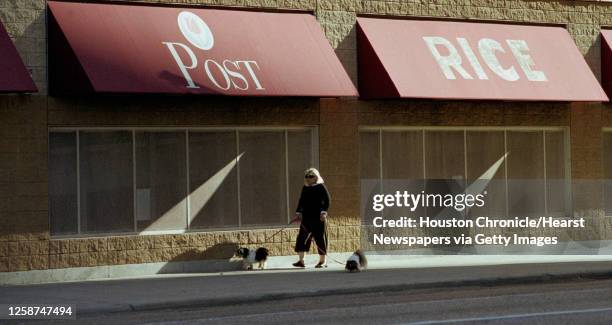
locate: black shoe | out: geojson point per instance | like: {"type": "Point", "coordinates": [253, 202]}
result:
{"type": "Point", "coordinates": [299, 264]}
{"type": "Point", "coordinates": [320, 265]}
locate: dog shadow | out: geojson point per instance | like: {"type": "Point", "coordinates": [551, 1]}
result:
{"type": "Point", "coordinates": [217, 258]}
{"type": "Point", "coordinates": [223, 251]}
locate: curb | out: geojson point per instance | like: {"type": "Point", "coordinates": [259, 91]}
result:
{"type": "Point", "coordinates": [216, 302]}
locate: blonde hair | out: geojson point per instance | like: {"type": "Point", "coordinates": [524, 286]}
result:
{"type": "Point", "coordinates": [313, 171]}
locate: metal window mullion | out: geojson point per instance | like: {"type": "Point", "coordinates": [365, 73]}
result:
{"type": "Point", "coordinates": [380, 163]}
{"type": "Point", "coordinates": [314, 160]}
{"type": "Point", "coordinates": [287, 174]}
{"type": "Point", "coordinates": [545, 178]}
{"type": "Point", "coordinates": [134, 191]}
{"type": "Point", "coordinates": [506, 171]}
{"type": "Point", "coordinates": [567, 166]}
{"type": "Point", "coordinates": [423, 156]}
{"type": "Point", "coordinates": [188, 183]}
{"type": "Point", "coordinates": [238, 177]}
{"type": "Point", "coordinates": [465, 168]}
{"type": "Point", "coordinates": [78, 171]}
{"type": "Point", "coordinates": [424, 164]}
{"type": "Point", "coordinates": [380, 159]}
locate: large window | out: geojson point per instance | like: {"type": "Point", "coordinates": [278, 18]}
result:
{"type": "Point", "coordinates": [145, 180]}
{"type": "Point", "coordinates": [607, 170]}
{"type": "Point", "coordinates": [524, 170]}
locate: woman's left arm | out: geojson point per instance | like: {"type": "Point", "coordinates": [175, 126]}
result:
{"type": "Point", "coordinates": [325, 200]}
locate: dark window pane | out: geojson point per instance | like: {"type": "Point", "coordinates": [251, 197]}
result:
{"type": "Point", "coordinates": [161, 181]}
{"type": "Point", "coordinates": [369, 165]}
{"type": "Point", "coordinates": [300, 151]}
{"type": "Point", "coordinates": [213, 179]}
{"type": "Point", "coordinates": [63, 183]}
{"type": "Point", "coordinates": [556, 185]}
{"type": "Point", "coordinates": [444, 155]}
{"type": "Point", "coordinates": [525, 173]}
{"type": "Point", "coordinates": [262, 178]}
{"type": "Point", "coordinates": [444, 167]}
{"type": "Point", "coordinates": [607, 157]}
{"type": "Point", "coordinates": [369, 154]}
{"type": "Point", "coordinates": [402, 167]}
{"type": "Point", "coordinates": [107, 202]}
{"type": "Point", "coordinates": [484, 150]}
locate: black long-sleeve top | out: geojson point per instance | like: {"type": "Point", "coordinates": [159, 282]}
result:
{"type": "Point", "coordinates": [313, 200]}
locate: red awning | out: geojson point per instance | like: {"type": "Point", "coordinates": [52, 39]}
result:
{"type": "Point", "coordinates": [606, 60]}
{"type": "Point", "coordinates": [118, 48]}
{"type": "Point", "coordinates": [14, 78]}
{"type": "Point", "coordinates": [476, 61]}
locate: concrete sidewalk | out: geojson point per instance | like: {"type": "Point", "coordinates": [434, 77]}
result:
{"type": "Point", "coordinates": [282, 281]}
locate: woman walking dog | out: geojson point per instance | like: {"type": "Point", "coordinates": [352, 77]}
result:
{"type": "Point", "coordinates": [312, 214]}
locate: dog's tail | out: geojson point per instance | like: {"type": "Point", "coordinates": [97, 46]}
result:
{"type": "Point", "coordinates": [363, 261]}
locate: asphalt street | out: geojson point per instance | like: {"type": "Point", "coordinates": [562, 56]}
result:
{"type": "Point", "coordinates": [573, 302]}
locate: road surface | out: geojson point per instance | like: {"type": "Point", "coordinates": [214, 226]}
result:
{"type": "Point", "coordinates": [575, 302]}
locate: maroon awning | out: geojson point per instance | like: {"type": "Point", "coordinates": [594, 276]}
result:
{"type": "Point", "coordinates": [475, 61]}
{"type": "Point", "coordinates": [606, 60]}
{"type": "Point", "coordinates": [115, 48]}
{"type": "Point", "coordinates": [14, 78]}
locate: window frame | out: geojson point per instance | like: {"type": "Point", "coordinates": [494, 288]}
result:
{"type": "Point", "coordinates": [314, 161]}
{"type": "Point", "coordinates": [505, 130]}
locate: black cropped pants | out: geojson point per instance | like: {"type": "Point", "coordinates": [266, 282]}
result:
{"type": "Point", "coordinates": [308, 232]}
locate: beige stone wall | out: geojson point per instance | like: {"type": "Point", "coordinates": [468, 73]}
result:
{"type": "Point", "coordinates": [24, 234]}
{"type": "Point", "coordinates": [24, 225]}
{"type": "Point", "coordinates": [24, 228]}
{"type": "Point", "coordinates": [163, 248]}
{"type": "Point", "coordinates": [134, 249]}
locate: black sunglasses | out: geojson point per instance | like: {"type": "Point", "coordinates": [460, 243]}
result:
{"type": "Point", "coordinates": [310, 176]}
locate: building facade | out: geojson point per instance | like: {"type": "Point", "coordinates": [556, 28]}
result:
{"type": "Point", "coordinates": [113, 179]}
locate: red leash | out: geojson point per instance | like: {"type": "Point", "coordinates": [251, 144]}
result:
{"type": "Point", "coordinates": [283, 228]}
{"type": "Point", "coordinates": [319, 250]}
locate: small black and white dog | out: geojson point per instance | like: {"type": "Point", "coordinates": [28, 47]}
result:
{"type": "Point", "coordinates": [356, 262]}
{"type": "Point", "coordinates": [250, 257]}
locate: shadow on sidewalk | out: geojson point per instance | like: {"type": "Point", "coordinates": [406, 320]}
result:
{"type": "Point", "coordinates": [223, 253]}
